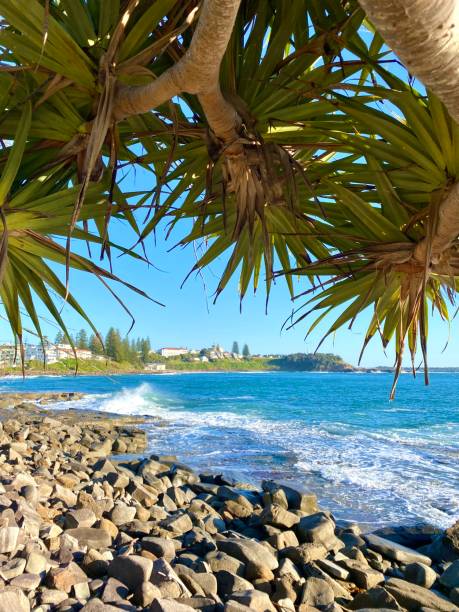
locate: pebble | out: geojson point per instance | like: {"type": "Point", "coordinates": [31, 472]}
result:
{"type": "Point", "coordinates": [81, 530]}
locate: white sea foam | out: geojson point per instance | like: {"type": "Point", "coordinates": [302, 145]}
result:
{"type": "Point", "coordinates": [399, 475]}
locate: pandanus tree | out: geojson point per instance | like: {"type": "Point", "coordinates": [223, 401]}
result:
{"type": "Point", "coordinates": [269, 125]}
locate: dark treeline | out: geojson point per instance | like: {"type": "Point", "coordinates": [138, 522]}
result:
{"type": "Point", "coordinates": [311, 362]}
{"type": "Point", "coordinates": [118, 348]}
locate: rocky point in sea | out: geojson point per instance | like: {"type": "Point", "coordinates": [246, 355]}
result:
{"type": "Point", "coordinates": [83, 529]}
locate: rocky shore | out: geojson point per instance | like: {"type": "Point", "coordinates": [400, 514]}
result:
{"type": "Point", "coordinates": [87, 524]}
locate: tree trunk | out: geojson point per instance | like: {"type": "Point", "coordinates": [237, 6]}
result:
{"type": "Point", "coordinates": [197, 72]}
{"type": "Point", "coordinates": [425, 35]}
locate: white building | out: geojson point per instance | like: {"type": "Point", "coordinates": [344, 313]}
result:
{"type": "Point", "coordinates": [173, 352]}
{"type": "Point", "coordinates": [54, 352]}
{"type": "Point", "coordinates": [8, 355]}
{"type": "Point", "coordinates": [155, 367]}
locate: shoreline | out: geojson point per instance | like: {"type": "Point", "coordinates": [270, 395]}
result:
{"type": "Point", "coordinates": [89, 522]}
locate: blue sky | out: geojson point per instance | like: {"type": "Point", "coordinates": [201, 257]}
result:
{"type": "Point", "coordinates": [190, 318]}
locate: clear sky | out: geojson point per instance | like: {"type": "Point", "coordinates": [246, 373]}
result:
{"type": "Point", "coordinates": [190, 318]}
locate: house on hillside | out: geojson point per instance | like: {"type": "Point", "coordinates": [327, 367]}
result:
{"type": "Point", "coordinates": [8, 355]}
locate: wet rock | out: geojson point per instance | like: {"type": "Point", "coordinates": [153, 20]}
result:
{"type": "Point", "coordinates": [132, 570]}
{"type": "Point", "coordinates": [395, 551]}
{"type": "Point", "coordinates": [450, 577]}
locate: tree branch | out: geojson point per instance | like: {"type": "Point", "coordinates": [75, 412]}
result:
{"type": "Point", "coordinates": [425, 35]}
{"type": "Point", "coordinates": [197, 72]}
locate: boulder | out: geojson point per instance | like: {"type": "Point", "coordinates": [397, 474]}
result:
{"type": "Point", "coordinates": [167, 581]}
{"type": "Point", "coordinates": [92, 537]}
{"type": "Point", "coordinates": [450, 577]}
{"type": "Point", "coordinates": [8, 539]}
{"type": "Point", "coordinates": [228, 583]}
{"type": "Point", "coordinates": [318, 528]}
{"type": "Point", "coordinates": [160, 547]}
{"type": "Point", "coordinates": [395, 551]}
{"type": "Point", "coordinates": [169, 605]}
{"type": "Point", "coordinates": [278, 517]}
{"type": "Point", "coordinates": [64, 578]}
{"type": "Point", "coordinates": [376, 597]}
{"type": "Point", "coordinates": [412, 597]}
{"type": "Point", "coordinates": [13, 600]}
{"type": "Point", "coordinates": [131, 570]}
{"type": "Point", "coordinates": [249, 551]}
{"type": "Point", "coordinates": [256, 600]}
{"type": "Point", "coordinates": [81, 517]}
{"type": "Point", "coordinates": [420, 574]}
{"type": "Point", "coordinates": [317, 592]}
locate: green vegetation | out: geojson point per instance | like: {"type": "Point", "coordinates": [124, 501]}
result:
{"type": "Point", "coordinates": [296, 150]}
{"type": "Point", "coordinates": [310, 362]}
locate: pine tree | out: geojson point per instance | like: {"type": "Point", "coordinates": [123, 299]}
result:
{"type": "Point", "coordinates": [95, 345]}
{"type": "Point", "coordinates": [235, 348]}
{"type": "Point", "coordinates": [145, 349]}
{"type": "Point", "coordinates": [59, 339]}
{"type": "Point", "coordinates": [82, 339]}
{"type": "Point", "coordinates": [113, 348]}
{"type": "Point", "coordinates": [246, 351]}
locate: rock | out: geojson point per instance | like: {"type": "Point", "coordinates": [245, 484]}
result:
{"type": "Point", "coordinates": [169, 605]}
{"type": "Point", "coordinates": [13, 600]}
{"type": "Point", "coordinates": [278, 517]}
{"type": "Point", "coordinates": [96, 605]}
{"type": "Point", "coordinates": [219, 560]}
{"type": "Point", "coordinates": [454, 596]}
{"type": "Point", "coordinates": [66, 495]}
{"type": "Point", "coordinates": [132, 570]}
{"type": "Point", "coordinates": [305, 553]}
{"type": "Point", "coordinates": [374, 598]}
{"type": "Point", "coordinates": [316, 592]}
{"type": "Point", "coordinates": [145, 594]}
{"type": "Point", "coordinates": [204, 604]}
{"type": "Point", "coordinates": [13, 568]}
{"type": "Point", "coordinates": [122, 514]}
{"type": "Point", "coordinates": [160, 547]}
{"type": "Point", "coordinates": [26, 582]}
{"type": "Point", "coordinates": [256, 600]}
{"type": "Point", "coordinates": [63, 578]}
{"type": "Point", "coordinates": [92, 537]}
{"type": "Point", "coordinates": [114, 591]}
{"type": "Point", "coordinates": [363, 576]}
{"type": "Point", "coordinates": [178, 523]}
{"type": "Point", "coordinates": [228, 583]}
{"type": "Point", "coordinates": [36, 563]}
{"type": "Point", "coordinates": [82, 517]}
{"type": "Point", "coordinates": [53, 597]}
{"type": "Point", "coordinates": [395, 551]}
{"type": "Point", "coordinates": [318, 528]}
{"type": "Point", "coordinates": [450, 577]}
{"type": "Point", "coordinates": [235, 606]}
{"type": "Point", "coordinates": [166, 579]}
{"type": "Point", "coordinates": [333, 569]}
{"type": "Point", "coordinates": [412, 597]}
{"type": "Point", "coordinates": [81, 591]}
{"type": "Point", "coordinates": [249, 551]}
{"type": "Point", "coordinates": [8, 539]}
{"type": "Point", "coordinates": [296, 501]}
{"type": "Point", "coordinates": [420, 574]}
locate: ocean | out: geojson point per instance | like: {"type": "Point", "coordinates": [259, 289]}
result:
{"type": "Point", "coordinates": [335, 434]}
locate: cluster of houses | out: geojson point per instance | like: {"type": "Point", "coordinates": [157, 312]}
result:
{"type": "Point", "coordinates": [48, 353]}
{"type": "Point", "coordinates": [211, 354]}
{"type": "Point", "coordinates": [52, 353]}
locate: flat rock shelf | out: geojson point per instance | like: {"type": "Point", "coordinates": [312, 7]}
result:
{"type": "Point", "coordinates": [87, 523]}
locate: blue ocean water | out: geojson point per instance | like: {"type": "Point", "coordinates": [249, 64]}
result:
{"type": "Point", "coordinates": [338, 435]}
